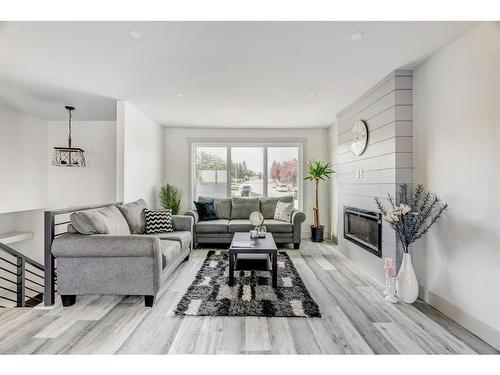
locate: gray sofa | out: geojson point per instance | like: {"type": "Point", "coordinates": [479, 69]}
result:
{"type": "Point", "coordinates": [234, 216]}
{"type": "Point", "coordinates": [106, 251]}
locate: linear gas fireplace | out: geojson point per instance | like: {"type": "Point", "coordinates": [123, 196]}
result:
{"type": "Point", "coordinates": [364, 228]}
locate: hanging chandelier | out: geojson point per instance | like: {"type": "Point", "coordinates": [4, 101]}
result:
{"type": "Point", "coordinates": [68, 156]}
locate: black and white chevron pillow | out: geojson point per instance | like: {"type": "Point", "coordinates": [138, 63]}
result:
{"type": "Point", "coordinates": [158, 221]}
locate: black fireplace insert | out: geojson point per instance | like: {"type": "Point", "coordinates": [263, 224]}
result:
{"type": "Point", "coordinates": [364, 228]}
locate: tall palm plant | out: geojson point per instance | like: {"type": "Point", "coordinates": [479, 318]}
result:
{"type": "Point", "coordinates": [318, 171]}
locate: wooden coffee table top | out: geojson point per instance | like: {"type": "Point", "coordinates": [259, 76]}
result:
{"type": "Point", "coordinates": [261, 245]}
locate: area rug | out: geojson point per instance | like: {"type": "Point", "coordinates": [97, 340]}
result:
{"type": "Point", "coordinates": [252, 293]}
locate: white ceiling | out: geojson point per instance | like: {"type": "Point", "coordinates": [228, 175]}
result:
{"type": "Point", "coordinates": [231, 74]}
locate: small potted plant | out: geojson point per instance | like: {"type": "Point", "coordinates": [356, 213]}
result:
{"type": "Point", "coordinates": [318, 171]}
{"type": "Point", "coordinates": [411, 219]}
{"type": "Point", "coordinates": [170, 198]}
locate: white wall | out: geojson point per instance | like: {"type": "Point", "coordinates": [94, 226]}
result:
{"type": "Point", "coordinates": [23, 181]}
{"type": "Point", "coordinates": [177, 168]}
{"type": "Point", "coordinates": [25, 221]}
{"type": "Point", "coordinates": [23, 177]}
{"type": "Point", "coordinates": [23, 158]}
{"type": "Point", "coordinates": [457, 155]}
{"type": "Point", "coordinates": [28, 184]}
{"type": "Point", "coordinates": [139, 155]}
{"type": "Point", "coordinates": [81, 186]}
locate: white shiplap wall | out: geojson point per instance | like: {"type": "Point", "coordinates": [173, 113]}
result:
{"type": "Point", "coordinates": [386, 162]}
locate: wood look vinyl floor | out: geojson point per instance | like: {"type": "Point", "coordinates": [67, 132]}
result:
{"type": "Point", "coordinates": [355, 320]}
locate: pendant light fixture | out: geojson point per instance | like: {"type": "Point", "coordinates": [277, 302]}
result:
{"type": "Point", "coordinates": [68, 156]}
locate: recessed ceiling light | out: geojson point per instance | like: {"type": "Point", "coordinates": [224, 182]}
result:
{"type": "Point", "coordinates": [178, 93]}
{"type": "Point", "coordinates": [311, 95]}
{"type": "Point", "coordinates": [136, 34]}
{"type": "Point", "coordinates": [356, 35]}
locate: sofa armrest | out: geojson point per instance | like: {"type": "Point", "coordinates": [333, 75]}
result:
{"type": "Point", "coordinates": [106, 245]}
{"type": "Point", "coordinates": [193, 214]}
{"type": "Point", "coordinates": [183, 222]}
{"type": "Point", "coordinates": [297, 217]}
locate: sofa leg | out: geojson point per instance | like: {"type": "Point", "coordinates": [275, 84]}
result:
{"type": "Point", "coordinates": [68, 300]}
{"type": "Point", "coordinates": [296, 246]}
{"type": "Point", "coordinates": [149, 300]}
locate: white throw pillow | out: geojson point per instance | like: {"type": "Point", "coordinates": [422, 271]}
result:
{"type": "Point", "coordinates": [283, 211]}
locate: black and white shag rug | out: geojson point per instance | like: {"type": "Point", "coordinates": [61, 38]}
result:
{"type": "Point", "coordinates": [252, 293]}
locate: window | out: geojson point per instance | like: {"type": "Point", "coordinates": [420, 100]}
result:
{"type": "Point", "coordinates": [252, 170]}
{"type": "Point", "coordinates": [283, 172]}
{"type": "Point", "coordinates": [247, 174]}
{"type": "Point", "coordinates": [210, 172]}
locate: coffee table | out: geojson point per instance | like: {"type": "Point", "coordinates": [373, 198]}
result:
{"type": "Point", "coordinates": [261, 246]}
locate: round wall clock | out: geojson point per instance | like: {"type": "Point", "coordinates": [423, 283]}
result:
{"type": "Point", "coordinates": [359, 137]}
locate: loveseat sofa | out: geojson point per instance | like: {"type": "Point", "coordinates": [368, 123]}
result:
{"type": "Point", "coordinates": [234, 217]}
{"type": "Point", "coordinates": [106, 251]}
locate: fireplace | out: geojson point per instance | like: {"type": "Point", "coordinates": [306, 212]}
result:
{"type": "Point", "coordinates": [364, 228]}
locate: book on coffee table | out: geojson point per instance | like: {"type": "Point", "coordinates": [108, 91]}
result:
{"type": "Point", "coordinates": [243, 244]}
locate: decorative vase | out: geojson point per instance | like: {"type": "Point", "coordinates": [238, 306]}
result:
{"type": "Point", "coordinates": [406, 283]}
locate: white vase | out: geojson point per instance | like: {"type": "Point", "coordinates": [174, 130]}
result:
{"type": "Point", "coordinates": [406, 283]}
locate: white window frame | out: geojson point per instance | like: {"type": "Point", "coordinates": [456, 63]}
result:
{"type": "Point", "coordinates": [265, 144]}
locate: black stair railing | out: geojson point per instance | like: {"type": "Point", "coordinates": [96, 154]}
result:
{"type": "Point", "coordinates": [21, 279]}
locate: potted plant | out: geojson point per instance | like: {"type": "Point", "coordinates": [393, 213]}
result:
{"type": "Point", "coordinates": [318, 171]}
{"type": "Point", "coordinates": [414, 216]}
{"type": "Point", "coordinates": [170, 198]}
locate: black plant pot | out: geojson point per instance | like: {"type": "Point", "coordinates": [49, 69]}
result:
{"type": "Point", "coordinates": [317, 233]}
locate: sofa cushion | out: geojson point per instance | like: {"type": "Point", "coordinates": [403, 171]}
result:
{"type": "Point", "coordinates": [158, 221]}
{"type": "Point", "coordinates": [170, 251]}
{"type": "Point", "coordinates": [72, 229]}
{"type": "Point", "coordinates": [183, 237]}
{"type": "Point", "coordinates": [283, 211]}
{"type": "Point", "coordinates": [241, 208]}
{"type": "Point", "coordinates": [239, 225]}
{"type": "Point", "coordinates": [133, 212]}
{"type": "Point", "coordinates": [276, 226]}
{"type": "Point", "coordinates": [106, 220]}
{"type": "Point", "coordinates": [222, 205]}
{"type": "Point", "coordinates": [212, 226]}
{"type": "Point", "coordinates": [206, 211]}
{"type": "Point", "coordinates": [268, 205]}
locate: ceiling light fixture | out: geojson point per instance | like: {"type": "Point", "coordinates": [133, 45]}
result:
{"type": "Point", "coordinates": [311, 95]}
{"type": "Point", "coordinates": [135, 34]}
{"type": "Point", "coordinates": [179, 93]}
{"type": "Point", "coordinates": [68, 156]}
{"type": "Point", "coordinates": [356, 35]}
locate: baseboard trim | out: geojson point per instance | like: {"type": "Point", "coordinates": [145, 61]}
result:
{"type": "Point", "coordinates": [476, 326]}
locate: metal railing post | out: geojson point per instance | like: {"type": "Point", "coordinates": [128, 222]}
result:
{"type": "Point", "coordinates": [49, 263]}
{"type": "Point", "coordinates": [21, 282]}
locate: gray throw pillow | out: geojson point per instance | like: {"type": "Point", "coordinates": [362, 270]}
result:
{"type": "Point", "coordinates": [107, 220]}
{"type": "Point", "coordinates": [283, 211]}
{"type": "Point", "coordinates": [241, 208]}
{"type": "Point", "coordinates": [133, 212]}
{"type": "Point", "coordinates": [268, 205]}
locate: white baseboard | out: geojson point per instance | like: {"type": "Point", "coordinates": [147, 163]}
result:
{"type": "Point", "coordinates": [476, 326]}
